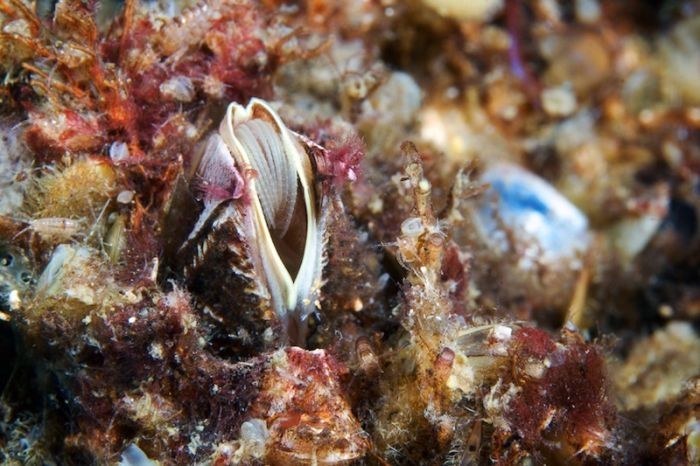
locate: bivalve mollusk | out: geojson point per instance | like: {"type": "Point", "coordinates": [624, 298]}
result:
{"type": "Point", "coordinates": [260, 237]}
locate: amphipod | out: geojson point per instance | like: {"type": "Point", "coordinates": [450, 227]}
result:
{"type": "Point", "coordinates": [263, 221]}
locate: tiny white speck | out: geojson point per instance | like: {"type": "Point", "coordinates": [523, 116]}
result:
{"type": "Point", "coordinates": [15, 300]}
{"type": "Point", "coordinates": [118, 151]}
{"type": "Point", "coordinates": [125, 197]}
{"type": "Point", "coordinates": [155, 350]}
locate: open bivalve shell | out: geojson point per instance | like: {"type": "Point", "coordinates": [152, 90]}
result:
{"type": "Point", "coordinates": [263, 223]}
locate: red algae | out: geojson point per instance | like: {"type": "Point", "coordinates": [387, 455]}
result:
{"type": "Point", "coordinates": [321, 286]}
{"type": "Point", "coordinates": [338, 151]}
{"type": "Point", "coordinates": [562, 394]}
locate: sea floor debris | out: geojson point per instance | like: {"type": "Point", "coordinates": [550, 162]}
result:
{"type": "Point", "coordinates": [326, 232]}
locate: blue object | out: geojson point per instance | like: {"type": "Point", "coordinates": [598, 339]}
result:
{"type": "Point", "coordinates": [542, 223]}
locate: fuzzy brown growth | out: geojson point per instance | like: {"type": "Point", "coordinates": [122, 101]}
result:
{"type": "Point", "coordinates": [66, 192]}
{"type": "Point", "coordinates": [221, 272]}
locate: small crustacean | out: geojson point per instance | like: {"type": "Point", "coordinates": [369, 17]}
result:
{"type": "Point", "coordinates": [262, 227]}
{"type": "Point", "coordinates": [54, 227]}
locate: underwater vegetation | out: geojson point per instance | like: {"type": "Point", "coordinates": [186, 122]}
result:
{"type": "Point", "coordinates": [326, 232]}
